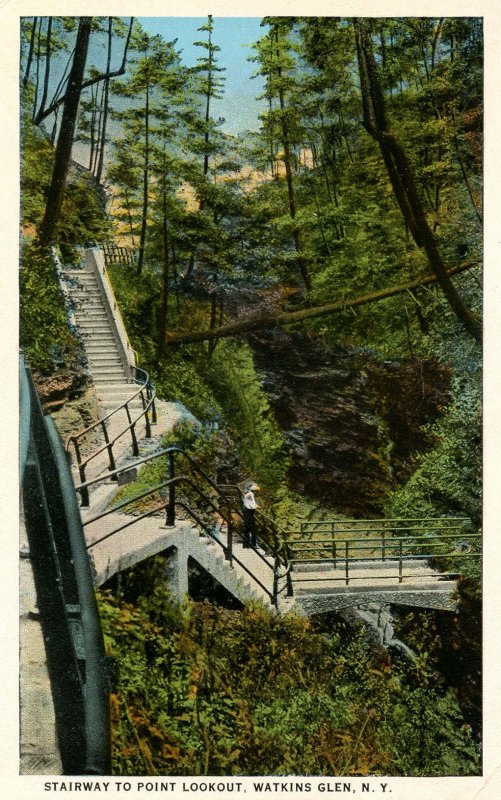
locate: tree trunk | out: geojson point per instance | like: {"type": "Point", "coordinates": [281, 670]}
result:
{"type": "Point", "coordinates": [97, 149]}
{"type": "Point", "coordinates": [142, 239]}
{"type": "Point", "coordinates": [37, 80]}
{"type": "Point", "coordinates": [100, 165]}
{"type": "Point", "coordinates": [64, 145]}
{"type": "Point", "coordinates": [402, 179]}
{"type": "Point", "coordinates": [92, 131]}
{"type": "Point", "coordinates": [129, 218]}
{"type": "Point", "coordinates": [277, 318]}
{"type": "Point", "coordinates": [47, 68]}
{"type": "Point", "coordinates": [290, 186]}
{"type": "Point", "coordinates": [30, 52]}
{"type": "Point", "coordinates": [164, 304]}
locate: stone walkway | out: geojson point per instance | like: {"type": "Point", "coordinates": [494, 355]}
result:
{"type": "Point", "coordinates": [39, 752]}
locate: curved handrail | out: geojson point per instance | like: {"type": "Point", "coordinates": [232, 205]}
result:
{"type": "Point", "coordinates": [73, 637]}
{"type": "Point", "coordinates": [148, 394]}
{"type": "Point", "coordinates": [25, 416]}
{"type": "Point", "coordinates": [97, 723]}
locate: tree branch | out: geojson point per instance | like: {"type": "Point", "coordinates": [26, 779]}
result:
{"type": "Point", "coordinates": [289, 317]}
{"type": "Point", "coordinates": [90, 81]}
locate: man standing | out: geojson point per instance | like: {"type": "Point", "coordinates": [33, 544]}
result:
{"type": "Point", "coordinates": [249, 506]}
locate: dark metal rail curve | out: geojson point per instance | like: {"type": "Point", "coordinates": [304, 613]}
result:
{"type": "Point", "coordinates": [74, 644]}
{"type": "Point", "coordinates": [147, 394]}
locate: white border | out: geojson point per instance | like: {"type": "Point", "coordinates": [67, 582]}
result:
{"type": "Point", "coordinates": [487, 787]}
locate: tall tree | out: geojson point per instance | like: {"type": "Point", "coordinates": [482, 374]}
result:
{"type": "Point", "coordinates": [154, 72]}
{"type": "Point", "coordinates": [277, 64]}
{"type": "Point", "coordinates": [401, 175]}
{"type": "Point", "coordinates": [65, 139]}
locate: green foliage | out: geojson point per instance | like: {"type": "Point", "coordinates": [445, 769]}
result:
{"type": "Point", "coordinates": [44, 333]}
{"type": "Point", "coordinates": [448, 478]}
{"type": "Point", "coordinates": [246, 411]}
{"type": "Point", "coordinates": [83, 215]}
{"type": "Point", "coordinates": [207, 691]}
{"type": "Point", "coordinates": [36, 162]}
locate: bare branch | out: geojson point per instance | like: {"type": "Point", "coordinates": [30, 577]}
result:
{"type": "Point", "coordinates": [91, 81]}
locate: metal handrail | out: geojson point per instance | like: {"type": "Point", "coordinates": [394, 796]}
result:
{"type": "Point", "coordinates": [333, 526]}
{"type": "Point", "coordinates": [345, 552]}
{"type": "Point", "coordinates": [280, 558]}
{"type": "Point", "coordinates": [148, 403]}
{"type": "Point", "coordinates": [73, 637]}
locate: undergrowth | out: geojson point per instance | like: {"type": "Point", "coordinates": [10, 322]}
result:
{"type": "Point", "coordinates": [208, 691]}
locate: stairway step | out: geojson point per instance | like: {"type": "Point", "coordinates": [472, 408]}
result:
{"type": "Point", "coordinates": [106, 345]}
{"type": "Point", "coordinates": [111, 354]}
{"type": "Point", "coordinates": [92, 313]}
{"type": "Point", "coordinates": [76, 284]}
{"type": "Point", "coordinates": [118, 398]}
{"type": "Point", "coordinates": [105, 377]}
{"type": "Point", "coordinates": [102, 338]}
{"type": "Point", "coordinates": [102, 364]}
{"type": "Point", "coordinates": [87, 297]}
{"type": "Point", "coordinates": [118, 387]}
{"type": "Point", "coordinates": [102, 348]}
{"type": "Point", "coordinates": [79, 274]}
{"type": "Point", "coordinates": [101, 326]}
{"type": "Point", "coordinates": [95, 325]}
{"type": "Point", "coordinates": [134, 405]}
{"type": "Point", "coordinates": [102, 368]}
{"type": "Point", "coordinates": [83, 318]}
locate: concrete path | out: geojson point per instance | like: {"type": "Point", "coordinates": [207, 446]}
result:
{"type": "Point", "coordinates": [39, 751]}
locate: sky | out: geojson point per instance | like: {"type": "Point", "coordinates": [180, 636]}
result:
{"type": "Point", "coordinates": [234, 35]}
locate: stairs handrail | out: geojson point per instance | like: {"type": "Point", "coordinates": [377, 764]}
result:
{"type": "Point", "coordinates": [147, 393]}
{"type": "Point", "coordinates": [75, 653]}
{"type": "Point", "coordinates": [278, 553]}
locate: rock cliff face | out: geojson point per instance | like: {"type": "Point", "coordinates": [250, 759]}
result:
{"type": "Point", "coordinates": [353, 422]}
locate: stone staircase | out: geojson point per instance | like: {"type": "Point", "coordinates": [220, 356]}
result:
{"type": "Point", "coordinates": [180, 543]}
{"type": "Point", "coordinates": [111, 364]}
{"type": "Point", "coordinates": [110, 370]}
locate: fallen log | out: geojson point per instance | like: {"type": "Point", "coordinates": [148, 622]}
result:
{"type": "Point", "coordinates": [274, 319]}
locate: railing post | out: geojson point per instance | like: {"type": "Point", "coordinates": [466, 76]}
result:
{"type": "Point", "coordinates": [347, 568]}
{"type": "Point", "coordinates": [289, 568]}
{"type": "Point", "coordinates": [171, 508]}
{"type": "Point", "coordinates": [151, 396]}
{"type": "Point", "coordinates": [400, 577]}
{"type": "Point", "coordinates": [109, 447]}
{"type": "Point", "coordinates": [146, 415]}
{"type": "Point", "coordinates": [276, 567]}
{"type": "Point", "coordinates": [228, 553]}
{"type": "Point", "coordinates": [85, 500]}
{"type": "Point", "coordinates": [132, 428]}
{"type": "Point", "coordinates": [384, 545]}
{"type": "Point", "coordinates": [84, 494]}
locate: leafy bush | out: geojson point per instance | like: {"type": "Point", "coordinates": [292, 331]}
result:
{"type": "Point", "coordinates": [208, 691]}
{"type": "Point", "coordinates": [447, 480]}
{"type": "Point", "coordinates": [44, 333]}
